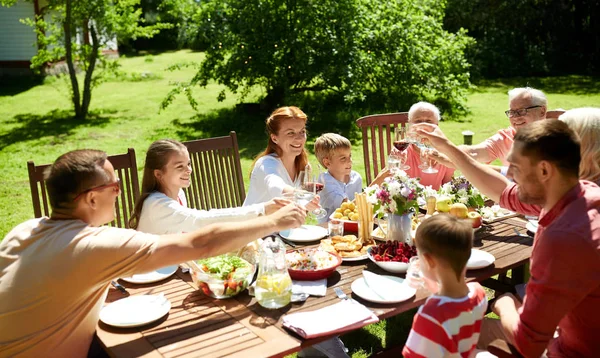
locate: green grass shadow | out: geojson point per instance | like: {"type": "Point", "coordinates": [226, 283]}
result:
{"type": "Point", "coordinates": [59, 123]}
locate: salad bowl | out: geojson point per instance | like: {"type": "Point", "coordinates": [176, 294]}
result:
{"type": "Point", "coordinates": [222, 276]}
{"type": "Point", "coordinates": [311, 264]}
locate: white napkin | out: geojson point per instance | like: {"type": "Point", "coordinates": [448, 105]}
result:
{"type": "Point", "coordinates": [342, 316]}
{"type": "Point", "coordinates": [382, 286]}
{"type": "Point", "coordinates": [313, 288]}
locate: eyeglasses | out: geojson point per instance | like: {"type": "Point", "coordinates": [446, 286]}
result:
{"type": "Point", "coordinates": [116, 186]}
{"type": "Point", "coordinates": [519, 112]}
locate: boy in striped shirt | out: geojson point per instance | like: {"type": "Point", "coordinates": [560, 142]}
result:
{"type": "Point", "coordinates": [449, 322]}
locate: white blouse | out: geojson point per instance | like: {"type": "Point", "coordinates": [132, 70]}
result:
{"type": "Point", "coordinates": [163, 215]}
{"type": "Point", "coordinates": [267, 181]}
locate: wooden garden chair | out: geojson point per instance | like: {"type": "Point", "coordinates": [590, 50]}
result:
{"type": "Point", "coordinates": [378, 137]}
{"type": "Point", "coordinates": [126, 170]}
{"type": "Point", "coordinates": [216, 181]}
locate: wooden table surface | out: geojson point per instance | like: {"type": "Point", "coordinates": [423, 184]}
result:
{"type": "Point", "coordinates": [201, 326]}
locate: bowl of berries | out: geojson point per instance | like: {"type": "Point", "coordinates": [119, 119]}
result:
{"type": "Point", "coordinates": [392, 256]}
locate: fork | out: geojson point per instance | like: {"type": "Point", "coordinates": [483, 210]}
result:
{"type": "Point", "coordinates": [341, 295]}
{"type": "Point", "coordinates": [520, 234]}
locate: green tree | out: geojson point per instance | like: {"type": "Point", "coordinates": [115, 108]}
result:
{"type": "Point", "coordinates": [97, 22]}
{"type": "Point", "coordinates": [374, 53]}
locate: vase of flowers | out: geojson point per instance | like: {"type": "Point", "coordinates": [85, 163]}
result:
{"type": "Point", "coordinates": [396, 198]}
{"type": "Point", "coordinates": [460, 190]}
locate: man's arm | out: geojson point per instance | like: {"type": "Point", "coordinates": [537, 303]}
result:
{"type": "Point", "coordinates": [479, 152]}
{"type": "Point", "coordinates": [506, 307]}
{"type": "Point", "coordinates": [217, 239]}
{"type": "Point", "coordinates": [487, 180]}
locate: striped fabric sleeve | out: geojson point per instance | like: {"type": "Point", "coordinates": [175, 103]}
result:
{"type": "Point", "coordinates": [427, 338]}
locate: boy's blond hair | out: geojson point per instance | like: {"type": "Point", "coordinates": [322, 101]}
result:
{"type": "Point", "coordinates": [328, 143]}
{"type": "Point", "coordinates": [448, 238]}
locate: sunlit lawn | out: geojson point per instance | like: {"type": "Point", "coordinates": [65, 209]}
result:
{"type": "Point", "coordinates": [35, 124]}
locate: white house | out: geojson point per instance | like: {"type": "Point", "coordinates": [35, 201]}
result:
{"type": "Point", "coordinates": [18, 43]}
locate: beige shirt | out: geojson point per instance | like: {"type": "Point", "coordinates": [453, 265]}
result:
{"type": "Point", "coordinates": [54, 277]}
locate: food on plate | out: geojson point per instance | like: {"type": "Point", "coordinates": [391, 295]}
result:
{"type": "Point", "coordinates": [459, 210]}
{"type": "Point", "coordinates": [346, 211]}
{"type": "Point", "coordinates": [475, 218]}
{"type": "Point", "coordinates": [494, 212]}
{"type": "Point", "coordinates": [310, 260]}
{"type": "Point", "coordinates": [443, 204]}
{"type": "Point", "coordinates": [223, 276]}
{"type": "Point", "coordinates": [394, 251]}
{"type": "Point", "coordinates": [346, 246]}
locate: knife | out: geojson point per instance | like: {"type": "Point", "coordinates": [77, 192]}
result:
{"type": "Point", "coordinates": [119, 287]}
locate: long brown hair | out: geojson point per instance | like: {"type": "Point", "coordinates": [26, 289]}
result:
{"type": "Point", "coordinates": [157, 157]}
{"type": "Point", "coordinates": [274, 126]}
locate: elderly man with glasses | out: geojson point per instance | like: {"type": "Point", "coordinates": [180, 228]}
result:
{"type": "Point", "coordinates": [526, 105]}
{"type": "Point", "coordinates": [55, 272]}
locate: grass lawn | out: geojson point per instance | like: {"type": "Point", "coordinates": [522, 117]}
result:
{"type": "Point", "coordinates": [36, 124]}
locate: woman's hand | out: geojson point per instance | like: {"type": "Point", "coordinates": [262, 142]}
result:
{"type": "Point", "coordinates": [313, 204]}
{"type": "Point", "coordinates": [272, 206]}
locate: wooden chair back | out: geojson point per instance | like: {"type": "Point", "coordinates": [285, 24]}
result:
{"type": "Point", "coordinates": [378, 137]}
{"type": "Point", "coordinates": [554, 114]}
{"type": "Point", "coordinates": [126, 170]}
{"type": "Point", "coordinates": [216, 181]}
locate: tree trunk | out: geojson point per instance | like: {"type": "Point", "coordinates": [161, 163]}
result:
{"type": "Point", "coordinates": [87, 83]}
{"type": "Point", "coordinates": [69, 57]}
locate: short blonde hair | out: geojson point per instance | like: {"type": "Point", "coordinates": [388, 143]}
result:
{"type": "Point", "coordinates": [328, 143]}
{"type": "Point", "coordinates": [586, 123]}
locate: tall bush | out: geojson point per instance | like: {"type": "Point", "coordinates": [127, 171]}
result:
{"type": "Point", "coordinates": [384, 55]}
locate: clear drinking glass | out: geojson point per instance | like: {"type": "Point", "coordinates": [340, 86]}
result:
{"type": "Point", "coordinates": [311, 183]}
{"type": "Point", "coordinates": [336, 228]}
{"type": "Point", "coordinates": [414, 276]}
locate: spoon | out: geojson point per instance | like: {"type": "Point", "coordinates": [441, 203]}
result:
{"type": "Point", "coordinates": [299, 297]}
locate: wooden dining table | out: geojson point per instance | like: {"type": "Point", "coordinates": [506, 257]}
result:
{"type": "Point", "coordinates": [200, 326]}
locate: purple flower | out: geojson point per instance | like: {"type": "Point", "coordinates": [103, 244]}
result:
{"type": "Point", "coordinates": [383, 196]}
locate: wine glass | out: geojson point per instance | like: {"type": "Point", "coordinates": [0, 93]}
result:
{"type": "Point", "coordinates": [401, 144]}
{"type": "Point", "coordinates": [302, 196]}
{"type": "Point", "coordinates": [314, 182]}
{"type": "Point", "coordinates": [425, 151]}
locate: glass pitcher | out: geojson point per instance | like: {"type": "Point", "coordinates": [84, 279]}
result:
{"type": "Point", "coordinates": [273, 284]}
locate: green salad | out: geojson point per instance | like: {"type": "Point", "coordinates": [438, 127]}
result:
{"type": "Point", "coordinates": [225, 266]}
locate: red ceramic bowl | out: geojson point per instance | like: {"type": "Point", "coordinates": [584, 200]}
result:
{"type": "Point", "coordinates": [311, 275]}
{"type": "Point", "coordinates": [349, 225]}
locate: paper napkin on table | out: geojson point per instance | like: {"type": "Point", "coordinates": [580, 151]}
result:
{"type": "Point", "coordinates": [313, 288]}
{"type": "Point", "coordinates": [343, 316]}
{"type": "Point", "coordinates": [384, 287]}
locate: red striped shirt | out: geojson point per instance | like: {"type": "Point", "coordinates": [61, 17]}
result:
{"type": "Point", "coordinates": [447, 327]}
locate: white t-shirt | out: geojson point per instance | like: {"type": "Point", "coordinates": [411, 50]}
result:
{"type": "Point", "coordinates": [54, 280]}
{"type": "Point", "coordinates": [267, 181]}
{"type": "Point", "coordinates": [163, 215]}
{"type": "Point", "coordinates": [336, 191]}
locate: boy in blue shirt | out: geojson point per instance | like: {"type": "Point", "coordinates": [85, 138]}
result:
{"type": "Point", "coordinates": [341, 182]}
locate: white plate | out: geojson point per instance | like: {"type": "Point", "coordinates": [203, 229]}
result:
{"type": "Point", "coordinates": [154, 276]}
{"type": "Point", "coordinates": [531, 226]}
{"type": "Point", "coordinates": [360, 258]}
{"type": "Point", "coordinates": [479, 259]}
{"type": "Point", "coordinates": [135, 311]}
{"type": "Point", "coordinates": [362, 290]}
{"type": "Point", "coordinates": [305, 233]}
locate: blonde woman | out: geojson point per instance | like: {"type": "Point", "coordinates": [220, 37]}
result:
{"type": "Point", "coordinates": [586, 123]}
